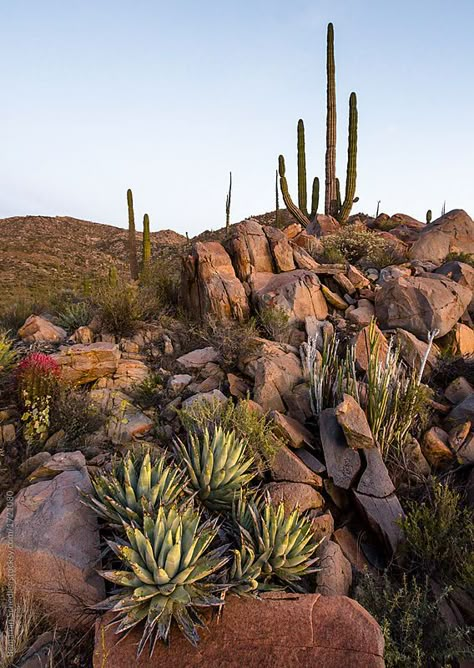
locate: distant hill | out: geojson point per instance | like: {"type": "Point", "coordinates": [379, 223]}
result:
{"type": "Point", "coordinates": [40, 253]}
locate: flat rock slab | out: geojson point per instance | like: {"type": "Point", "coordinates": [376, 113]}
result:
{"type": "Point", "coordinates": [197, 359]}
{"type": "Point", "coordinates": [342, 463]}
{"type": "Point", "coordinates": [280, 631]}
{"type": "Point", "coordinates": [354, 423]}
{"type": "Point", "coordinates": [85, 363]}
{"type": "Point", "coordinates": [375, 480]}
{"type": "Point", "coordinates": [383, 516]}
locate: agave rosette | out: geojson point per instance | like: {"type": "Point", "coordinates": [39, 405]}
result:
{"type": "Point", "coordinates": [136, 484]}
{"type": "Point", "coordinates": [170, 572]}
{"type": "Point", "coordinates": [283, 545]}
{"type": "Point", "coordinates": [217, 465]}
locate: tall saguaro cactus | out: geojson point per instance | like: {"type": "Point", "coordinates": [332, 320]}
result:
{"type": "Point", "coordinates": [132, 240]}
{"type": "Point", "coordinates": [302, 194]}
{"type": "Point", "coordinates": [277, 200]}
{"type": "Point", "coordinates": [227, 203]}
{"type": "Point", "coordinates": [351, 175]}
{"type": "Point", "coordinates": [330, 201]}
{"type": "Point", "coordinates": [146, 242]}
{"type": "Point", "coordinates": [315, 197]}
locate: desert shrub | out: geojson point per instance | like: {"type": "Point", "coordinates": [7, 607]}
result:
{"type": "Point", "coordinates": [74, 315]}
{"type": "Point", "coordinates": [439, 537]}
{"type": "Point", "coordinates": [413, 628]}
{"type": "Point", "coordinates": [467, 258]}
{"type": "Point", "coordinates": [7, 354]}
{"type": "Point", "coordinates": [145, 394]}
{"type": "Point", "coordinates": [246, 422]}
{"type": "Point", "coordinates": [359, 245]}
{"type": "Point", "coordinates": [12, 316]}
{"type": "Point", "coordinates": [275, 323]}
{"type": "Point", "coordinates": [233, 340]}
{"type": "Point", "coordinates": [75, 414]}
{"type": "Point", "coordinates": [119, 306]}
{"type": "Point", "coordinates": [159, 288]}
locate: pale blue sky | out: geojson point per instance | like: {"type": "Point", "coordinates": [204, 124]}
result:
{"type": "Point", "coordinates": [167, 97]}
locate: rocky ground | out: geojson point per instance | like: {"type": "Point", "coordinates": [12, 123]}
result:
{"type": "Point", "coordinates": [344, 356]}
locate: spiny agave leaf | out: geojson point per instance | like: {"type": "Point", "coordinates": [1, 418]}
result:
{"type": "Point", "coordinates": [131, 556]}
{"type": "Point", "coordinates": [161, 576]}
{"type": "Point", "coordinates": [123, 578]}
{"type": "Point", "coordinates": [144, 480]}
{"type": "Point", "coordinates": [142, 573]}
{"type": "Point", "coordinates": [144, 592]}
{"type": "Point", "coordinates": [181, 595]}
{"type": "Point", "coordinates": [166, 546]}
{"type": "Point", "coordinates": [132, 618]}
{"type": "Point", "coordinates": [186, 624]}
{"type": "Point", "coordinates": [130, 495]}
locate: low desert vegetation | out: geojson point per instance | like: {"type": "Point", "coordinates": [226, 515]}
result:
{"type": "Point", "coordinates": [360, 246]}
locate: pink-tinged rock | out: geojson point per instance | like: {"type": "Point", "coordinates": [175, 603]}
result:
{"type": "Point", "coordinates": [335, 575]}
{"type": "Point", "coordinates": [279, 631]}
{"type": "Point", "coordinates": [37, 328]}
{"type": "Point", "coordinates": [288, 467]}
{"type": "Point", "coordinates": [209, 285]}
{"type": "Point", "coordinates": [453, 232]}
{"type": "Point", "coordinates": [323, 225]}
{"type": "Point", "coordinates": [297, 293]}
{"type": "Point", "coordinates": [361, 342]}
{"type": "Point", "coordinates": [85, 363]}
{"type": "Point", "coordinates": [55, 546]}
{"type": "Point", "coordinates": [295, 495]}
{"type": "Point", "coordinates": [421, 304]}
{"type": "Point", "coordinates": [197, 359]}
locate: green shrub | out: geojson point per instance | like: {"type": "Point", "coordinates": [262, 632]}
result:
{"type": "Point", "coordinates": [359, 245]}
{"type": "Point", "coordinates": [119, 307]}
{"type": "Point", "coordinates": [145, 394]}
{"type": "Point", "coordinates": [233, 340]}
{"type": "Point", "coordinates": [13, 316]}
{"type": "Point", "coordinates": [159, 288]}
{"type": "Point", "coordinates": [275, 323]}
{"type": "Point", "coordinates": [75, 414]}
{"type": "Point", "coordinates": [74, 315]}
{"type": "Point", "coordinates": [467, 258]}
{"type": "Point", "coordinates": [246, 422]}
{"type": "Point", "coordinates": [7, 354]}
{"type": "Point", "coordinates": [440, 538]}
{"type": "Point", "coordinates": [409, 616]}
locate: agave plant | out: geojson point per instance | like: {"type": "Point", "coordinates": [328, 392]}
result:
{"type": "Point", "coordinates": [136, 484]}
{"type": "Point", "coordinates": [217, 466]}
{"type": "Point", "coordinates": [169, 573]}
{"type": "Point", "coordinates": [283, 545]}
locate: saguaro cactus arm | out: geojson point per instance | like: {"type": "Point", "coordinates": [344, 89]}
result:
{"type": "Point", "coordinates": [292, 208]}
{"type": "Point", "coordinates": [146, 241]}
{"type": "Point", "coordinates": [302, 193]}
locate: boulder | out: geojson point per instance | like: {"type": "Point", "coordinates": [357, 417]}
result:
{"type": "Point", "coordinates": [421, 304]}
{"type": "Point", "coordinates": [36, 328]}
{"type": "Point", "coordinates": [383, 515]}
{"type": "Point", "coordinates": [342, 462]}
{"type": "Point", "coordinates": [353, 421]}
{"type": "Point", "coordinates": [125, 422]}
{"type": "Point", "coordinates": [453, 232]}
{"type": "Point", "coordinates": [275, 369]}
{"type": "Point", "coordinates": [322, 524]}
{"type": "Point", "coordinates": [361, 343]}
{"type": "Point", "coordinates": [351, 549]}
{"type": "Point", "coordinates": [458, 390]}
{"type": "Point", "coordinates": [362, 314]}
{"type": "Point", "coordinates": [209, 285]}
{"type": "Point", "coordinates": [291, 430]}
{"type": "Point", "coordinates": [280, 249]}
{"type": "Point", "coordinates": [461, 273]}
{"type": "Point", "coordinates": [462, 412]}
{"type": "Point", "coordinates": [197, 359]}
{"type": "Point", "coordinates": [83, 334]}
{"type": "Point", "coordinates": [202, 397]}
{"type": "Point", "coordinates": [277, 631]}
{"type": "Point", "coordinates": [288, 467]}
{"type": "Point", "coordinates": [177, 383]}
{"type": "Point", "coordinates": [463, 336]}
{"type": "Point", "coordinates": [297, 293]}
{"type": "Point", "coordinates": [250, 251]}
{"type": "Point", "coordinates": [323, 225]}
{"type": "Point", "coordinates": [56, 546]}
{"type": "Point", "coordinates": [295, 495]}
{"type": "Point", "coordinates": [85, 363]}
{"type": "Point", "coordinates": [435, 447]}
{"type": "Point", "coordinates": [335, 575]}
{"type": "Point", "coordinates": [413, 352]}
{"type": "Point", "coordinates": [129, 373]}
{"type": "Point", "coordinates": [333, 298]}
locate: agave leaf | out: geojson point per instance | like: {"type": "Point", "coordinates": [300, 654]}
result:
{"type": "Point", "coordinates": [142, 573]}
{"type": "Point", "coordinates": [173, 559]}
{"type": "Point", "coordinates": [133, 617]}
{"type": "Point", "coordinates": [123, 578]}
{"type": "Point", "coordinates": [144, 480]}
{"type": "Point", "coordinates": [144, 592]}
{"type": "Point", "coordinates": [166, 546]}
{"type": "Point", "coordinates": [186, 624]}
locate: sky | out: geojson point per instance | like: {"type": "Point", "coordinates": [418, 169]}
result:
{"type": "Point", "coordinates": [167, 97]}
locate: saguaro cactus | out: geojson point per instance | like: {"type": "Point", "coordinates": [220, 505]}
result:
{"type": "Point", "coordinates": [302, 194]}
{"type": "Point", "coordinates": [132, 240]}
{"type": "Point", "coordinates": [227, 203]}
{"type": "Point", "coordinates": [351, 176]}
{"type": "Point", "coordinates": [429, 216]}
{"type": "Point", "coordinates": [330, 202]}
{"type": "Point", "coordinates": [146, 241]}
{"type": "Point", "coordinates": [315, 197]}
{"type": "Point", "coordinates": [277, 200]}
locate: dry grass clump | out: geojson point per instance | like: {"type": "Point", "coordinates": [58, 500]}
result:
{"type": "Point", "coordinates": [359, 245]}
